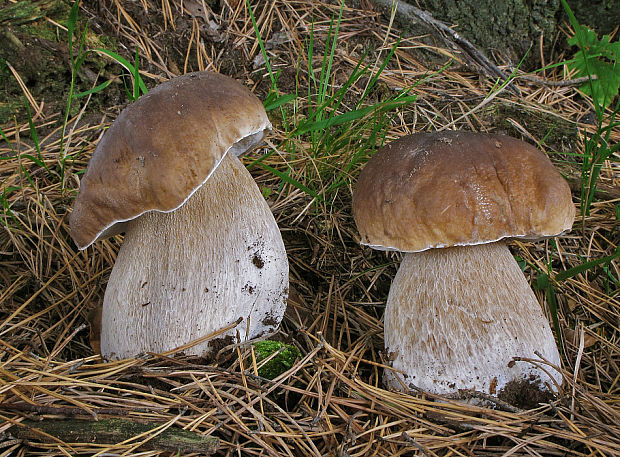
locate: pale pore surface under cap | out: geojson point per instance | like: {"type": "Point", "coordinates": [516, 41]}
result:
{"type": "Point", "coordinates": [186, 274]}
{"type": "Point", "coordinates": [456, 317]}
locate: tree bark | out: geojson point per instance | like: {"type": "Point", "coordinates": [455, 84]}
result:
{"type": "Point", "coordinates": [509, 29]}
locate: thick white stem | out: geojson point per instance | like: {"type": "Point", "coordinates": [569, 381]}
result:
{"type": "Point", "coordinates": [456, 317]}
{"type": "Point", "coordinates": [186, 274]}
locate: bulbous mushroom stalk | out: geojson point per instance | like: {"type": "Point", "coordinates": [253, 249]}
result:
{"type": "Point", "coordinates": [202, 248]}
{"type": "Point", "coordinates": [462, 314]}
{"type": "Point", "coordinates": [459, 310]}
{"type": "Point", "coordinates": [182, 275]}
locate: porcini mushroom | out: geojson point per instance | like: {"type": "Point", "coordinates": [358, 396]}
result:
{"type": "Point", "coordinates": [201, 246]}
{"type": "Point", "coordinates": [460, 312]}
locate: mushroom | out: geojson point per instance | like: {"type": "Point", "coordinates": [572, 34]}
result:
{"type": "Point", "coordinates": [201, 247]}
{"type": "Point", "coordinates": [460, 313]}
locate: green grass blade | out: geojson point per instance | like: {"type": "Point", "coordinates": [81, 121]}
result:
{"type": "Point", "coordinates": [288, 179]}
{"type": "Point", "coordinates": [71, 23]}
{"type": "Point", "coordinates": [33, 131]}
{"type": "Point", "coordinates": [6, 207]}
{"type": "Point", "coordinates": [261, 45]}
{"type": "Point", "coordinates": [553, 309]}
{"type": "Point", "coordinates": [352, 115]}
{"type": "Point", "coordinates": [375, 77]}
{"type": "Point", "coordinates": [326, 75]}
{"type": "Point", "coordinates": [127, 65]}
{"type": "Point", "coordinates": [564, 275]}
{"type": "Point", "coordinates": [544, 283]}
{"type": "Point", "coordinates": [36, 160]}
{"type": "Point", "coordinates": [310, 69]}
{"type": "Point", "coordinates": [94, 90]}
{"type": "Point", "coordinates": [279, 101]}
{"type": "Point", "coordinates": [136, 76]}
{"type": "Point", "coordinates": [3, 135]}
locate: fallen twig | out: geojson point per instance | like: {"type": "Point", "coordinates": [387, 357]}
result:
{"type": "Point", "coordinates": [412, 13]}
{"type": "Point", "coordinates": [114, 431]}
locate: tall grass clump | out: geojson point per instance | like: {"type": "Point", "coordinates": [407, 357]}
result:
{"type": "Point", "coordinates": [336, 131]}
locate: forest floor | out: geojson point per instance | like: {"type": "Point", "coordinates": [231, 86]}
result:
{"type": "Point", "coordinates": [321, 58]}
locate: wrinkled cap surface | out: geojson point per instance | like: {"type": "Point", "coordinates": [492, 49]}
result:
{"type": "Point", "coordinates": [162, 148]}
{"type": "Point", "coordinates": [430, 190]}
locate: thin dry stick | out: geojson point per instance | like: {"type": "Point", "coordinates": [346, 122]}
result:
{"type": "Point", "coordinates": [203, 338]}
{"type": "Point", "coordinates": [38, 108]}
{"type": "Point", "coordinates": [483, 103]}
{"type": "Point", "coordinates": [413, 13]}
{"type": "Point", "coordinates": [552, 83]}
{"type": "Point", "coordinates": [576, 370]}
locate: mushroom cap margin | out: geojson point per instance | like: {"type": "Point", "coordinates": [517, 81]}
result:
{"type": "Point", "coordinates": [163, 147]}
{"type": "Point", "coordinates": [454, 188]}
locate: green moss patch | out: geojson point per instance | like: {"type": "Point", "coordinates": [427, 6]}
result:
{"type": "Point", "coordinates": [280, 363]}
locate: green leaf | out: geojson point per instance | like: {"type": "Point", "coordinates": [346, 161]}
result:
{"type": "Point", "coordinates": [600, 58]}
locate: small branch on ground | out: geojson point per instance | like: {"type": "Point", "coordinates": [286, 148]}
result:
{"type": "Point", "coordinates": [406, 11]}
{"type": "Point", "coordinates": [552, 83]}
{"type": "Point", "coordinates": [70, 411]}
{"type": "Point", "coordinates": [113, 431]}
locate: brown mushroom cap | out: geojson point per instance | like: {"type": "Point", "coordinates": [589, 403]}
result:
{"type": "Point", "coordinates": [452, 188]}
{"type": "Point", "coordinates": [162, 148]}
